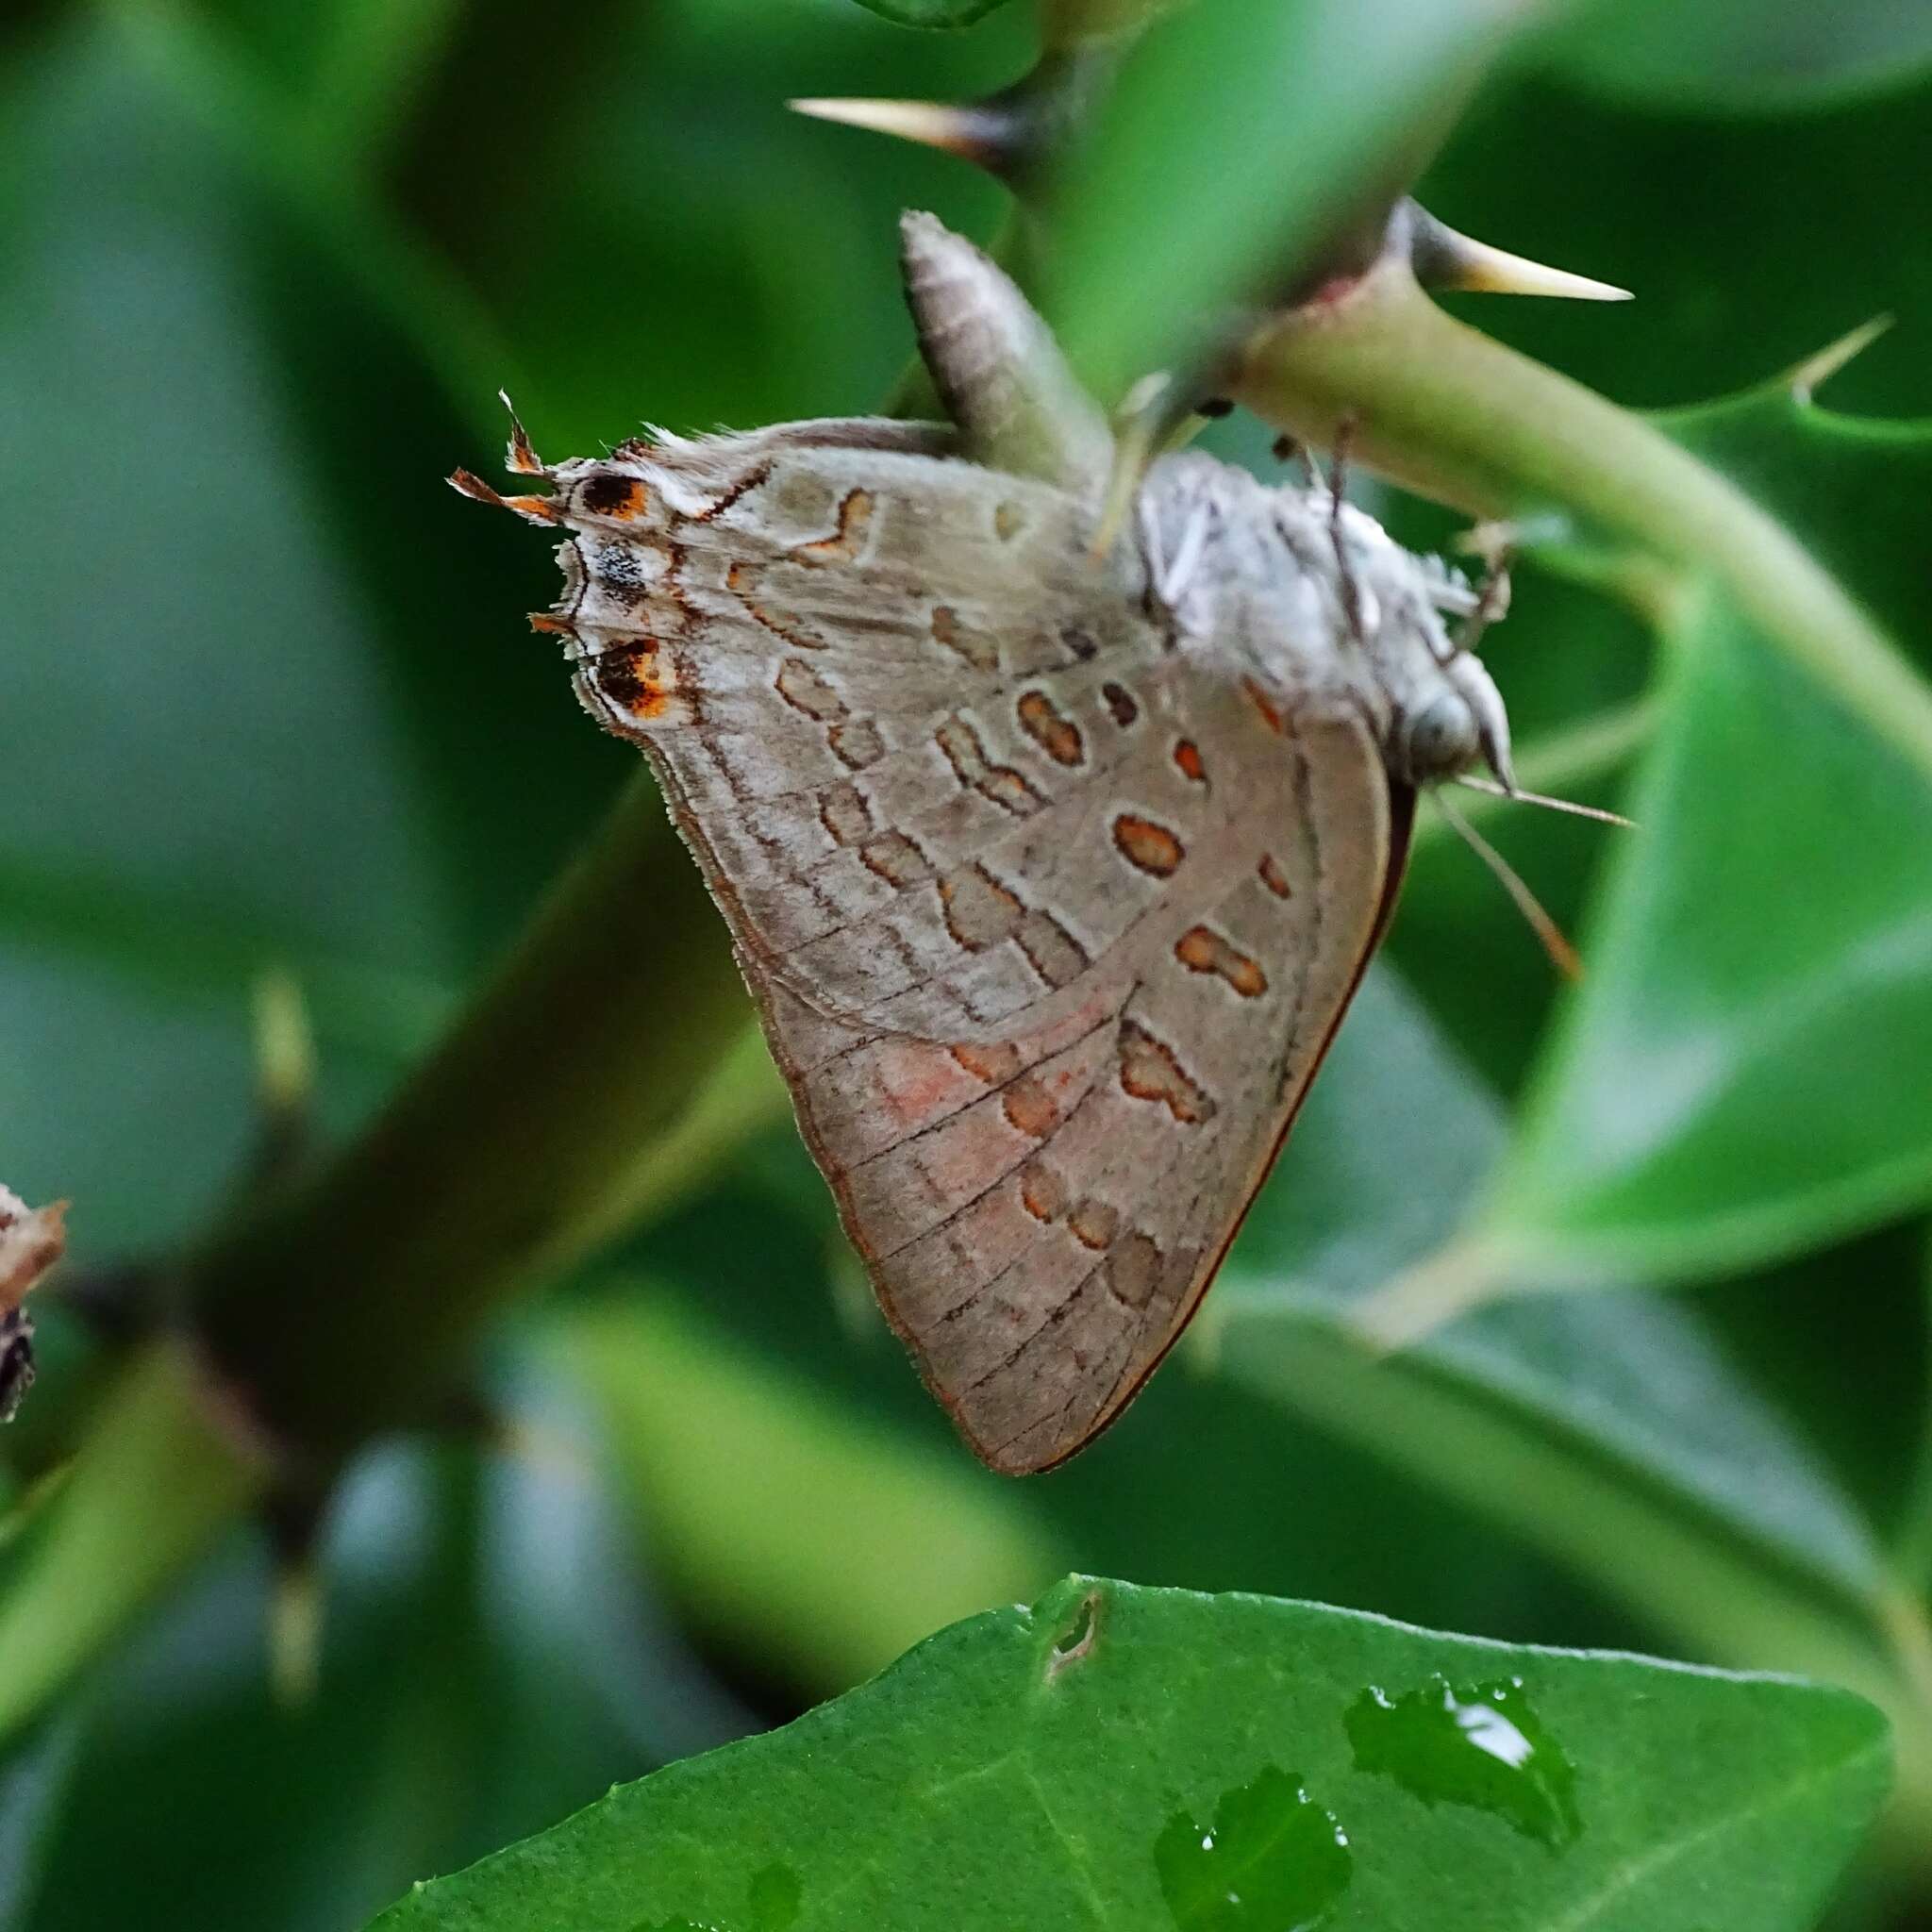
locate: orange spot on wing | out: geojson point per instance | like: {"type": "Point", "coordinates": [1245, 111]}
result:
{"type": "Point", "coordinates": [1042, 1193]}
{"type": "Point", "coordinates": [1095, 1223]}
{"type": "Point", "coordinates": [979, 911]}
{"type": "Point", "coordinates": [896, 858]}
{"type": "Point", "coordinates": [1202, 949]}
{"type": "Point", "coordinates": [992, 1064]}
{"type": "Point", "coordinates": [854, 517]}
{"type": "Point", "coordinates": [1149, 847]}
{"type": "Point", "coordinates": [1051, 728]}
{"type": "Point", "coordinates": [1187, 755]}
{"type": "Point", "coordinates": [1151, 1070]}
{"type": "Point", "coordinates": [1030, 1110]}
{"type": "Point", "coordinates": [980, 651]}
{"type": "Point", "coordinates": [632, 677]}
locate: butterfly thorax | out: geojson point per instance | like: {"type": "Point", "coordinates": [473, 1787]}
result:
{"type": "Point", "coordinates": [1324, 609]}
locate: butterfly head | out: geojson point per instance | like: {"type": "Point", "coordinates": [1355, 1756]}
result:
{"type": "Point", "coordinates": [1442, 715]}
{"type": "Point", "coordinates": [1455, 723]}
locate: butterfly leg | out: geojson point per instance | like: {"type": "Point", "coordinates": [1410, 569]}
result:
{"type": "Point", "coordinates": [1338, 496]}
{"type": "Point", "coordinates": [1492, 602]}
{"type": "Point", "coordinates": [1292, 449]}
{"type": "Point", "coordinates": [1173, 578]}
{"type": "Point", "coordinates": [1142, 425]}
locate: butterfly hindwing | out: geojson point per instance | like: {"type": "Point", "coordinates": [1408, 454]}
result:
{"type": "Point", "coordinates": [1041, 1217]}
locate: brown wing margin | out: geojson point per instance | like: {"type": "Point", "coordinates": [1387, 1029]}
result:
{"type": "Point", "coordinates": [1402, 800]}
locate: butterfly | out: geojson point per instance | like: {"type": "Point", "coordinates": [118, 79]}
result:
{"type": "Point", "coordinates": [1052, 864]}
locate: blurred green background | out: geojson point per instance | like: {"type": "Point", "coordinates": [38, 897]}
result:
{"type": "Point", "coordinates": [267, 704]}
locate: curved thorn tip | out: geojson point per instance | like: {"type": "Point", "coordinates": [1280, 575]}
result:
{"type": "Point", "coordinates": [1442, 258]}
{"type": "Point", "coordinates": [974, 133]}
{"type": "Point", "coordinates": [1816, 370]}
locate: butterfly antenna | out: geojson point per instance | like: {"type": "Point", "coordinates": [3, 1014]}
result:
{"type": "Point", "coordinates": [1563, 955]}
{"type": "Point", "coordinates": [1549, 804]}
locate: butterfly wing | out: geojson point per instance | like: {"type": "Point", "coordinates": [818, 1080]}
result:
{"type": "Point", "coordinates": [1041, 1218]}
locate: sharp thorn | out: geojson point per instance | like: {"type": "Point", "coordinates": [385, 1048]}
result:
{"type": "Point", "coordinates": [1442, 259]}
{"type": "Point", "coordinates": [1816, 370]}
{"type": "Point", "coordinates": [986, 133]}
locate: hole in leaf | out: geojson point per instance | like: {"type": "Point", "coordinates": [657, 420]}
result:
{"type": "Point", "coordinates": [1076, 1640]}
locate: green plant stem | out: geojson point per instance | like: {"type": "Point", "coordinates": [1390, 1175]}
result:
{"type": "Point", "coordinates": [163, 1472]}
{"type": "Point", "coordinates": [1457, 417]}
{"type": "Point", "coordinates": [349, 1307]}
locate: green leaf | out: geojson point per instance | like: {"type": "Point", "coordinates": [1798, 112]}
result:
{"type": "Point", "coordinates": [1624, 1391]}
{"type": "Point", "coordinates": [1608, 1430]}
{"type": "Point", "coordinates": [1133, 1759]}
{"type": "Point", "coordinates": [1237, 132]}
{"type": "Point", "coordinates": [1717, 303]}
{"type": "Point", "coordinates": [1741, 1076]}
{"type": "Point", "coordinates": [1743, 53]}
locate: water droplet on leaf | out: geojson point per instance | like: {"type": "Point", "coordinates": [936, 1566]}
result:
{"type": "Point", "coordinates": [1478, 1746]}
{"type": "Point", "coordinates": [1274, 1861]}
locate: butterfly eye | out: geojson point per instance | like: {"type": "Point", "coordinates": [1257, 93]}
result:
{"type": "Point", "coordinates": [1440, 740]}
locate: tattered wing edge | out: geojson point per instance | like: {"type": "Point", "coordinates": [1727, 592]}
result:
{"type": "Point", "coordinates": [31, 1240]}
